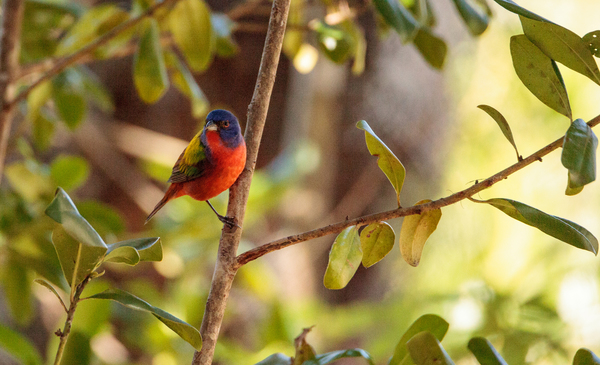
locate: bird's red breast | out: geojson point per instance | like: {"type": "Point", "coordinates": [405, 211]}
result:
{"type": "Point", "coordinates": [227, 165]}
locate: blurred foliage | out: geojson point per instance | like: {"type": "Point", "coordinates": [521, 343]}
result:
{"type": "Point", "coordinates": [533, 299]}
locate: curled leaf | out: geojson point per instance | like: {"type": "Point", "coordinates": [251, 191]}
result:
{"type": "Point", "coordinates": [386, 160]}
{"type": "Point", "coordinates": [415, 231]}
{"type": "Point", "coordinates": [579, 155]}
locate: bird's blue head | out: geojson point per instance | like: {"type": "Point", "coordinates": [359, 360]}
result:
{"type": "Point", "coordinates": [227, 125]}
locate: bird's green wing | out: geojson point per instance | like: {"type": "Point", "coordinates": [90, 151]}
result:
{"type": "Point", "coordinates": [192, 163]}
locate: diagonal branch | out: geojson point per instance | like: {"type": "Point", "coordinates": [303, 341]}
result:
{"type": "Point", "coordinates": [226, 267]}
{"type": "Point", "coordinates": [12, 18]}
{"type": "Point", "coordinates": [264, 249]}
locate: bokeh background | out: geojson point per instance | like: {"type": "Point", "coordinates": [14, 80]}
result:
{"type": "Point", "coordinates": [534, 297]}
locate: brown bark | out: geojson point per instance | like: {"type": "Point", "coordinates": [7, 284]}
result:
{"type": "Point", "coordinates": [12, 18]}
{"type": "Point", "coordinates": [226, 267]}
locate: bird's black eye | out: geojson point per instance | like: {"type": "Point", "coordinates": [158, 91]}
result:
{"type": "Point", "coordinates": [225, 124]}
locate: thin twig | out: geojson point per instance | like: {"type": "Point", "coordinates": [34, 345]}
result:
{"type": "Point", "coordinates": [12, 17]}
{"type": "Point", "coordinates": [264, 249]}
{"type": "Point", "coordinates": [64, 334]}
{"type": "Point", "coordinates": [225, 267]}
{"type": "Point", "coordinates": [86, 51]}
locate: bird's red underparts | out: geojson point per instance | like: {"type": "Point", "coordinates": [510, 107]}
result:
{"type": "Point", "coordinates": [227, 165]}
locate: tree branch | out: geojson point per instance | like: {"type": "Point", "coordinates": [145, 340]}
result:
{"type": "Point", "coordinates": [12, 18]}
{"type": "Point", "coordinates": [262, 250]}
{"type": "Point", "coordinates": [226, 265]}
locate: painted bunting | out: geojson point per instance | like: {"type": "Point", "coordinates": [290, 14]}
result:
{"type": "Point", "coordinates": [210, 164]}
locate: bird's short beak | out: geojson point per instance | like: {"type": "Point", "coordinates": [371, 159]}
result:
{"type": "Point", "coordinates": [210, 125]}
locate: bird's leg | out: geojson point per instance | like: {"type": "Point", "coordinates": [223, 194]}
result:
{"type": "Point", "coordinates": [229, 221]}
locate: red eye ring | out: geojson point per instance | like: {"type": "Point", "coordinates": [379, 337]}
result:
{"type": "Point", "coordinates": [225, 123]}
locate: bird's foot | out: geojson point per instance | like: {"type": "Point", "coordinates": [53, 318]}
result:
{"type": "Point", "coordinates": [229, 221]}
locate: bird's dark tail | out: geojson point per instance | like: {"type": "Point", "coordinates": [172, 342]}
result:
{"type": "Point", "coordinates": [171, 193]}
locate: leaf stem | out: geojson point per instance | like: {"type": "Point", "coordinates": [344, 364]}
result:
{"type": "Point", "coordinates": [264, 249]}
{"type": "Point", "coordinates": [64, 334]}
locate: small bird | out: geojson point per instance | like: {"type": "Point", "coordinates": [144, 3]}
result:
{"type": "Point", "coordinates": [210, 164]}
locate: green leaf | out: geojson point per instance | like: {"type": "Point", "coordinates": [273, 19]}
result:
{"type": "Point", "coordinates": [539, 74]}
{"type": "Point", "coordinates": [398, 17]}
{"type": "Point", "coordinates": [63, 210]}
{"type": "Point", "coordinates": [43, 24]}
{"type": "Point", "coordinates": [102, 217]}
{"type": "Point", "coordinates": [557, 227]}
{"type": "Point", "coordinates": [43, 131]}
{"type": "Point", "coordinates": [183, 329]}
{"type": "Point", "coordinates": [330, 357]}
{"type": "Point", "coordinates": [185, 82]}
{"type": "Point", "coordinates": [476, 19]}
{"type": "Point", "coordinates": [223, 27]}
{"type": "Point", "coordinates": [562, 45]}
{"type": "Point", "coordinates": [592, 40]}
{"type": "Point", "coordinates": [584, 356]}
{"type": "Point", "coordinates": [429, 322]}
{"type": "Point", "coordinates": [513, 7]}
{"type": "Point", "coordinates": [37, 98]}
{"type": "Point", "coordinates": [149, 70]}
{"type": "Point", "coordinates": [76, 259]}
{"type": "Point", "coordinates": [94, 90]}
{"type": "Point", "coordinates": [415, 231]}
{"type": "Point", "coordinates": [192, 31]}
{"type": "Point", "coordinates": [19, 347]}
{"type": "Point", "coordinates": [49, 286]}
{"type": "Point", "coordinates": [335, 42]}
{"type": "Point", "coordinates": [45, 263]}
{"type": "Point", "coordinates": [133, 251]}
{"type": "Point", "coordinates": [94, 23]}
{"type": "Point", "coordinates": [78, 350]}
{"type": "Point", "coordinates": [386, 160]}
{"type": "Point", "coordinates": [68, 98]}
{"type": "Point", "coordinates": [276, 359]}
{"type": "Point", "coordinates": [432, 48]}
{"type": "Point", "coordinates": [344, 259]}
{"type": "Point", "coordinates": [17, 290]}
{"type": "Point", "coordinates": [376, 241]}
{"type": "Point", "coordinates": [484, 352]}
{"type": "Point", "coordinates": [70, 172]}
{"type": "Point", "coordinates": [28, 181]}
{"type": "Point", "coordinates": [422, 11]}
{"type": "Point", "coordinates": [579, 155]}
{"type": "Point", "coordinates": [502, 123]}
{"type": "Point", "coordinates": [425, 349]}
{"type": "Point", "coordinates": [360, 49]}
